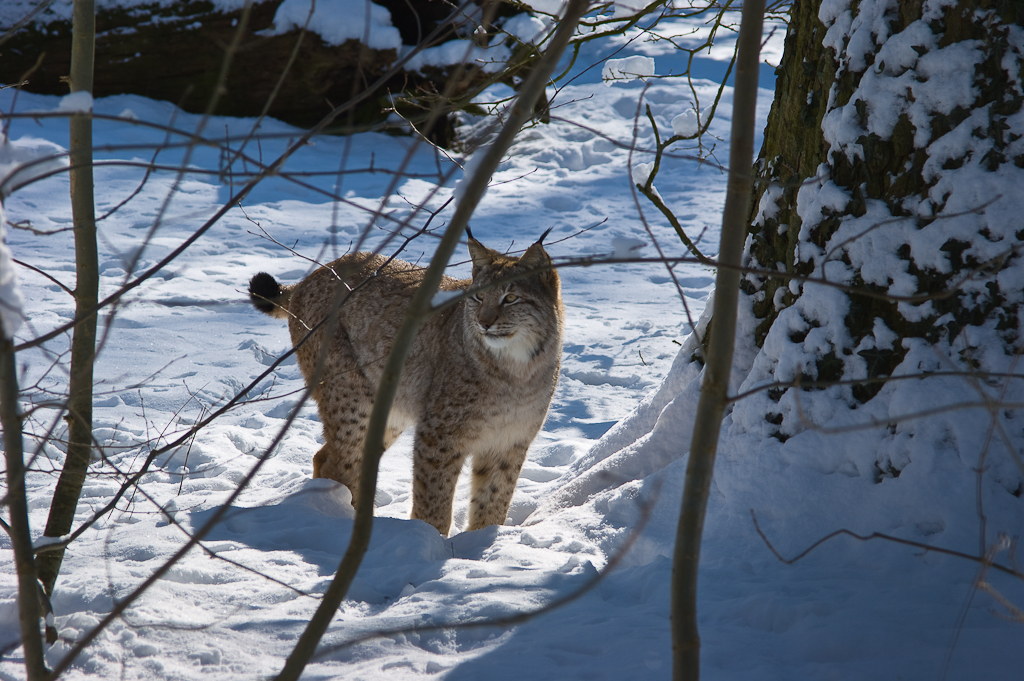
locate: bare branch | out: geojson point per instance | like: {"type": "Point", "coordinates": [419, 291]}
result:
{"type": "Point", "coordinates": [29, 614]}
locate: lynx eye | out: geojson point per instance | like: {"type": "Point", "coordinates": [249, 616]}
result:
{"type": "Point", "coordinates": [510, 298]}
{"type": "Point", "coordinates": [476, 297]}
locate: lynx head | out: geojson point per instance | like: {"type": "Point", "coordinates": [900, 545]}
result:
{"type": "Point", "coordinates": [515, 306]}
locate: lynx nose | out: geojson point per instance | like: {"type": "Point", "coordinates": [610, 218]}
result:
{"type": "Point", "coordinates": [486, 317]}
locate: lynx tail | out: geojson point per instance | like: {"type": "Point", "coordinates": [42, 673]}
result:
{"type": "Point", "coordinates": [266, 294]}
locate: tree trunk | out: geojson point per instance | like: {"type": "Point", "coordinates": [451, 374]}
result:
{"type": "Point", "coordinates": [899, 189]}
{"type": "Point", "coordinates": [793, 147]}
{"type": "Point", "coordinates": [83, 343]}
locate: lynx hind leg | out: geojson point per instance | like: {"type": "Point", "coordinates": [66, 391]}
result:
{"type": "Point", "coordinates": [436, 465]}
{"type": "Point", "coordinates": [494, 481]}
{"type": "Point", "coordinates": [344, 400]}
{"type": "Point", "coordinates": [345, 419]}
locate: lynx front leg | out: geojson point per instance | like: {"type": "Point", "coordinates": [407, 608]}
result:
{"type": "Point", "coordinates": [437, 463]}
{"type": "Point", "coordinates": [494, 481]}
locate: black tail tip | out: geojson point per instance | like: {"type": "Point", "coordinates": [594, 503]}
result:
{"type": "Point", "coordinates": [263, 289]}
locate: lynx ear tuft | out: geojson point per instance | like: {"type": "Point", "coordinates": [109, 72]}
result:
{"type": "Point", "coordinates": [544, 235]}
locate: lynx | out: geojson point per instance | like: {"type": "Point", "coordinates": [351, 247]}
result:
{"type": "Point", "coordinates": [477, 383]}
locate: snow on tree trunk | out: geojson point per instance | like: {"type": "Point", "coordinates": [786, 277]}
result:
{"type": "Point", "coordinates": [915, 206]}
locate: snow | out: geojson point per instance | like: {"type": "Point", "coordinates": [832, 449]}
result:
{"type": "Point", "coordinates": [489, 59]}
{"type": "Point", "coordinates": [627, 69]}
{"type": "Point", "coordinates": [628, 8]}
{"type": "Point", "coordinates": [626, 247]}
{"type": "Point", "coordinates": [685, 124]}
{"type": "Point", "coordinates": [836, 15]}
{"type": "Point", "coordinates": [11, 300]}
{"type": "Point", "coordinates": [526, 28]}
{"type": "Point", "coordinates": [76, 102]}
{"type": "Point", "coordinates": [642, 172]}
{"type": "Point", "coordinates": [364, 21]}
{"type": "Point", "coordinates": [46, 541]}
{"type": "Point", "coordinates": [612, 455]}
{"type": "Point", "coordinates": [550, 7]}
{"type": "Point", "coordinates": [24, 159]}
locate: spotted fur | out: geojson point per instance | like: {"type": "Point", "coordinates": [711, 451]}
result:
{"type": "Point", "coordinates": [477, 383]}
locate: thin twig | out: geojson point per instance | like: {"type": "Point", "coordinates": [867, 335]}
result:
{"type": "Point", "coordinates": [878, 535]}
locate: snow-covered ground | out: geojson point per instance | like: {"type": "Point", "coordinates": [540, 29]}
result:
{"type": "Point", "coordinates": [187, 340]}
